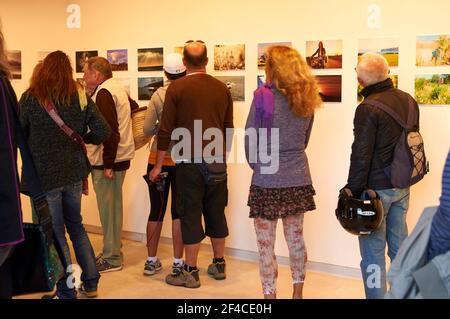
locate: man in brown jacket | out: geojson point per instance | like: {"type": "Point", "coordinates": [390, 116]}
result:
{"type": "Point", "coordinates": [195, 104]}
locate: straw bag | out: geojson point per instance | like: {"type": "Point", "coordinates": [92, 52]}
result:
{"type": "Point", "coordinates": [137, 120]}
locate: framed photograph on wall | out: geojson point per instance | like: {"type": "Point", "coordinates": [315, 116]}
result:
{"type": "Point", "coordinates": [14, 58]}
{"type": "Point", "coordinates": [262, 49]}
{"type": "Point", "coordinates": [325, 54]}
{"type": "Point", "coordinates": [229, 57]}
{"type": "Point", "coordinates": [432, 89]}
{"type": "Point", "coordinates": [148, 85]}
{"type": "Point", "coordinates": [81, 57]}
{"type": "Point", "coordinates": [387, 47]}
{"type": "Point", "coordinates": [433, 50]}
{"type": "Point", "coordinates": [330, 87]}
{"type": "Point", "coordinates": [118, 59]}
{"type": "Point", "coordinates": [150, 59]}
{"type": "Point", "coordinates": [236, 85]}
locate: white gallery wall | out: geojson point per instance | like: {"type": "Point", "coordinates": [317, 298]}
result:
{"type": "Point", "coordinates": [32, 26]}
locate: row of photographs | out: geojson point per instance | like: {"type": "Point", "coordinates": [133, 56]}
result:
{"type": "Point", "coordinates": [327, 54]}
{"type": "Point", "coordinates": [429, 89]}
{"type": "Point", "coordinates": [431, 50]}
{"type": "Point", "coordinates": [433, 89]}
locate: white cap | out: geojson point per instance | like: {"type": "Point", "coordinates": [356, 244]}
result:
{"type": "Point", "coordinates": [173, 63]}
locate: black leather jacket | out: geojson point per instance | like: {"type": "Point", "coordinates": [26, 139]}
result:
{"type": "Point", "coordinates": [376, 134]}
{"type": "Point", "coordinates": [10, 207]}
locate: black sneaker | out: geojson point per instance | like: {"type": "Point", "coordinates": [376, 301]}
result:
{"type": "Point", "coordinates": [217, 270]}
{"type": "Point", "coordinates": [104, 266]}
{"type": "Point", "coordinates": [56, 296]}
{"type": "Point", "coordinates": [52, 296]}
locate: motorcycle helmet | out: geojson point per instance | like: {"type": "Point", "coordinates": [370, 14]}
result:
{"type": "Point", "coordinates": [359, 216]}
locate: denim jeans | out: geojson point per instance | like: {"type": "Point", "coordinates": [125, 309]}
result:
{"type": "Point", "coordinates": [393, 230]}
{"type": "Point", "coordinates": [65, 207]}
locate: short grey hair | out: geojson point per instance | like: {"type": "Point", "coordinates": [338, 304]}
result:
{"type": "Point", "coordinates": [372, 68]}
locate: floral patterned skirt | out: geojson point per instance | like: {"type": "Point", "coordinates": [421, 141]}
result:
{"type": "Point", "coordinates": [274, 203]}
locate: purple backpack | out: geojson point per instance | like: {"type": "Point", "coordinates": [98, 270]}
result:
{"type": "Point", "coordinates": [409, 164]}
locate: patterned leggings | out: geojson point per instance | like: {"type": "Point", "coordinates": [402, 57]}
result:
{"type": "Point", "coordinates": [268, 267]}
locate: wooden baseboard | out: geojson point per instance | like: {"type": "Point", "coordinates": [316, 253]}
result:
{"type": "Point", "coordinates": [330, 269]}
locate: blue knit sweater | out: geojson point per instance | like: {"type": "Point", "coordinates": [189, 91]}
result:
{"type": "Point", "coordinates": [440, 227]}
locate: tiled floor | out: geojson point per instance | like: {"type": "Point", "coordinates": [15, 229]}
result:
{"type": "Point", "coordinates": [242, 279]}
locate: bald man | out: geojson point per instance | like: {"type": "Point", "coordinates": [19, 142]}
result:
{"type": "Point", "coordinates": [375, 136]}
{"type": "Point", "coordinates": [193, 99]}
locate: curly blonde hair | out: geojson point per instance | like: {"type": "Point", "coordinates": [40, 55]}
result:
{"type": "Point", "coordinates": [288, 71]}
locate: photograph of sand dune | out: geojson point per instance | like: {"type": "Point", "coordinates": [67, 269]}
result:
{"type": "Point", "coordinates": [150, 59]}
{"type": "Point", "coordinates": [330, 87]}
{"type": "Point", "coordinates": [229, 57]}
{"type": "Point", "coordinates": [433, 50]}
{"type": "Point", "coordinates": [432, 89]}
{"type": "Point", "coordinates": [148, 86]}
{"type": "Point", "coordinates": [118, 59]}
{"type": "Point", "coordinates": [14, 58]}
{"type": "Point", "coordinates": [81, 57]}
{"type": "Point", "coordinates": [325, 54]}
{"type": "Point", "coordinates": [236, 85]}
{"type": "Point", "coordinates": [388, 47]}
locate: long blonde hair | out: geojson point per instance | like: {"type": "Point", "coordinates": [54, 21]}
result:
{"type": "Point", "coordinates": [4, 64]}
{"type": "Point", "coordinates": [287, 70]}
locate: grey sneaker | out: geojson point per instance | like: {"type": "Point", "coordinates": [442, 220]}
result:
{"type": "Point", "coordinates": [176, 268]}
{"type": "Point", "coordinates": [100, 256]}
{"type": "Point", "coordinates": [104, 266]}
{"type": "Point", "coordinates": [217, 270]}
{"type": "Point", "coordinates": [151, 268]}
{"type": "Point", "coordinates": [184, 278]}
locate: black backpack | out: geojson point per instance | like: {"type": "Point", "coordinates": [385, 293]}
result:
{"type": "Point", "coordinates": [409, 164]}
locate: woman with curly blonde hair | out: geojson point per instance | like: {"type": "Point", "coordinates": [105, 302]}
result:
{"type": "Point", "coordinates": [282, 113]}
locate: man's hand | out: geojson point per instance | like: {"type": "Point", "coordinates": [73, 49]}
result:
{"type": "Point", "coordinates": [153, 175]}
{"type": "Point", "coordinates": [108, 173]}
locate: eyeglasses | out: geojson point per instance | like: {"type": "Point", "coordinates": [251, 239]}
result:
{"type": "Point", "coordinates": [193, 41]}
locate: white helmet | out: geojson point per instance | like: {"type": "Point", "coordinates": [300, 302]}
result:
{"type": "Point", "coordinates": [173, 63]}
